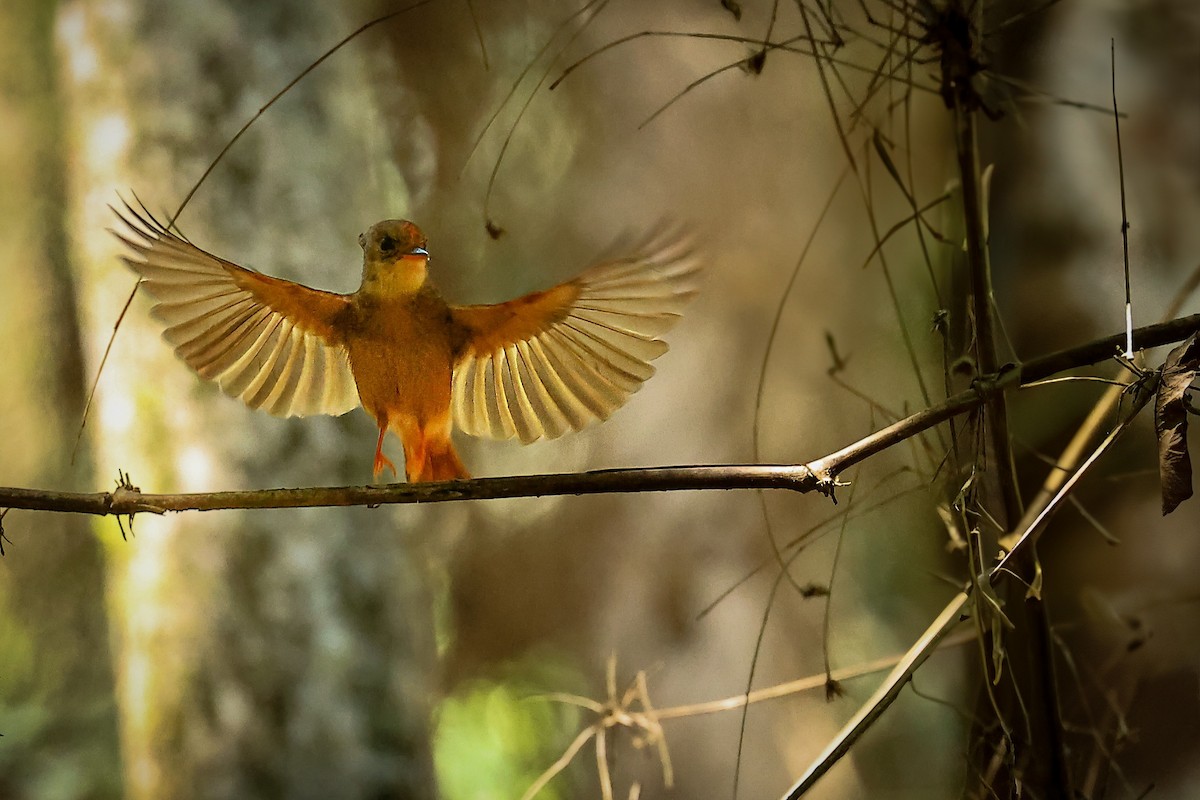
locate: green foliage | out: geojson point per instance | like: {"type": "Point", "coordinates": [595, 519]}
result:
{"type": "Point", "coordinates": [493, 738]}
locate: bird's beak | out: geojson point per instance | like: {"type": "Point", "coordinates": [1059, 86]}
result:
{"type": "Point", "coordinates": [362, 241]}
{"type": "Point", "coordinates": [419, 251]}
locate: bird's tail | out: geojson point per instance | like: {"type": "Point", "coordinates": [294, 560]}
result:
{"type": "Point", "coordinates": [439, 462]}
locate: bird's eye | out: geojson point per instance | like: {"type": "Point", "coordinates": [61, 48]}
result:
{"type": "Point", "coordinates": [387, 244]}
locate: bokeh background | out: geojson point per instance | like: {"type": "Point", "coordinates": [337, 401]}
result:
{"type": "Point", "coordinates": [370, 653]}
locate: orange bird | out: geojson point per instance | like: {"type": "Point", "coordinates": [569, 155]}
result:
{"type": "Point", "coordinates": [535, 367]}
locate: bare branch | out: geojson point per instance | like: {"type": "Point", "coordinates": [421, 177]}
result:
{"type": "Point", "coordinates": [1030, 528]}
{"type": "Point", "coordinates": [124, 501]}
{"type": "Point", "coordinates": [819, 475]}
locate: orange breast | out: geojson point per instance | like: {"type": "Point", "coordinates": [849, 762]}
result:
{"type": "Point", "coordinates": [401, 353]}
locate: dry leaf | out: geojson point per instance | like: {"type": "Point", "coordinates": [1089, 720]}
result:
{"type": "Point", "coordinates": [1170, 423]}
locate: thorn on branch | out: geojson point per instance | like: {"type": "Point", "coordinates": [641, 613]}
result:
{"type": "Point", "coordinates": [121, 526]}
{"type": "Point", "coordinates": [124, 482]}
{"type": "Point", "coordinates": [828, 484]}
{"type": "Point", "coordinates": [120, 497]}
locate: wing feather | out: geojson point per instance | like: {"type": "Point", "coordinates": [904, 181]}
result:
{"type": "Point", "coordinates": [557, 360]}
{"type": "Point", "coordinates": [572, 408]}
{"type": "Point", "coordinates": [545, 418]}
{"type": "Point", "coordinates": [271, 343]}
{"type": "Point", "coordinates": [524, 415]}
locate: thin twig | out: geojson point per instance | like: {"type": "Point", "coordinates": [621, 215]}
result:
{"type": "Point", "coordinates": [517, 83]}
{"type": "Point", "coordinates": [341, 43]}
{"type": "Point", "coordinates": [1124, 216]}
{"type": "Point", "coordinates": [804, 539]}
{"type": "Point", "coordinates": [618, 711]}
{"type": "Point", "coordinates": [562, 762]}
{"type": "Point", "coordinates": [100, 369]}
{"type": "Point", "coordinates": [868, 207]}
{"type": "Point", "coordinates": [799, 685]}
{"type": "Point", "coordinates": [785, 46]}
{"type": "Point", "coordinates": [891, 687]}
{"type": "Point", "coordinates": [1103, 409]}
{"type": "Point", "coordinates": [478, 33]}
{"type": "Point", "coordinates": [772, 337]}
{"type": "Point", "coordinates": [493, 229]}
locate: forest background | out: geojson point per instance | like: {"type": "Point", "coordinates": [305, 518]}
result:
{"type": "Point", "coordinates": [407, 651]}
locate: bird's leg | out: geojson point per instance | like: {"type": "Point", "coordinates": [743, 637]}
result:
{"type": "Point", "coordinates": [381, 460]}
{"type": "Point", "coordinates": [416, 456]}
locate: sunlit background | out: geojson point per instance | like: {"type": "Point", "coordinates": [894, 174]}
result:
{"type": "Point", "coordinates": [434, 652]}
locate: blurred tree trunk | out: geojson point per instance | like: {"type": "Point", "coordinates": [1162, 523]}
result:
{"type": "Point", "coordinates": [260, 655]}
{"type": "Point", "coordinates": [56, 685]}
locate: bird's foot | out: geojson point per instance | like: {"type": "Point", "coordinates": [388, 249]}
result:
{"type": "Point", "coordinates": [383, 462]}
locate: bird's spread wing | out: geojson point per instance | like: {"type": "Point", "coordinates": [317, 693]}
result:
{"type": "Point", "coordinates": [556, 360]}
{"type": "Point", "coordinates": [269, 342]}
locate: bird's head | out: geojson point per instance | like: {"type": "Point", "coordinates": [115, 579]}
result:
{"type": "Point", "coordinates": [394, 257]}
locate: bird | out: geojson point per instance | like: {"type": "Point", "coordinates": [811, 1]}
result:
{"type": "Point", "coordinates": [531, 368]}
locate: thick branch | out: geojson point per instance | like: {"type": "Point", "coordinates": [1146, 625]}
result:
{"type": "Point", "coordinates": [818, 475]}
{"type": "Point", "coordinates": [125, 501]}
{"type": "Point", "coordinates": [979, 263]}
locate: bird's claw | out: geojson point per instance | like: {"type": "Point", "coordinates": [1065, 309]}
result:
{"type": "Point", "coordinates": [382, 462]}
